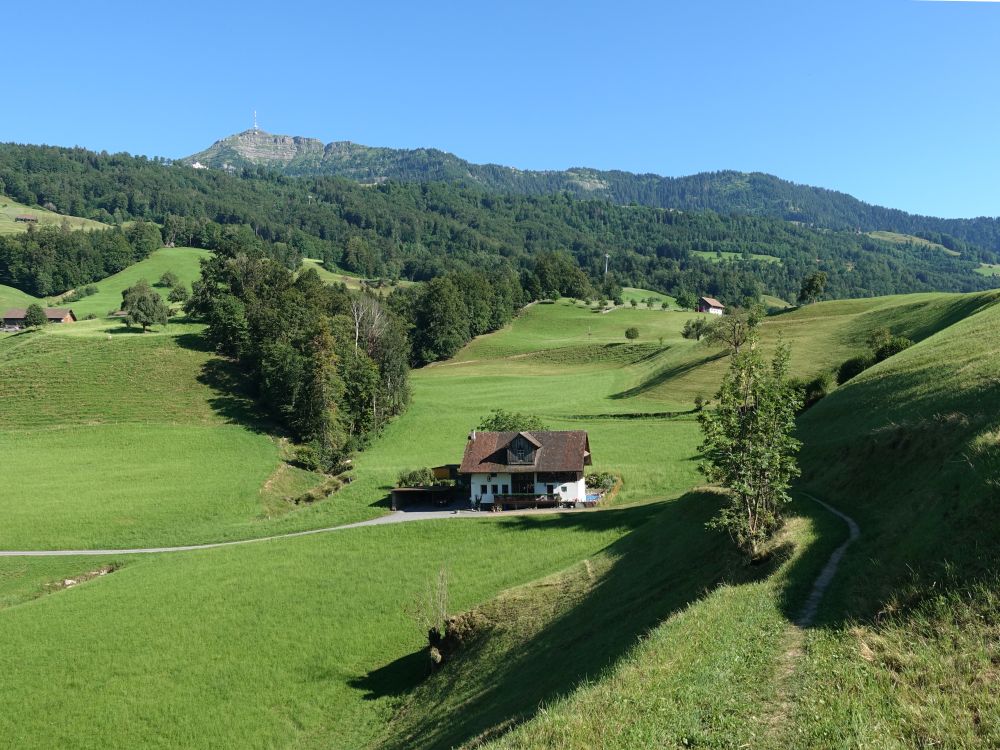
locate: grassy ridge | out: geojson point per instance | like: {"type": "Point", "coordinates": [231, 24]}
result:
{"type": "Point", "coordinates": [183, 261]}
{"type": "Point", "coordinates": [9, 208]}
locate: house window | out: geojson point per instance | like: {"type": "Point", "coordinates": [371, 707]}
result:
{"type": "Point", "coordinates": [520, 451]}
{"type": "Point", "coordinates": [495, 490]}
{"type": "Point", "coordinates": [506, 490]}
{"type": "Point", "coordinates": [482, 489]}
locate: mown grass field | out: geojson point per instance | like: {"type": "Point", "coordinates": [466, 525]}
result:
{"type": "Point", "coordinates": [630, 293]}
{"type": "Point", "coordinates": [723, 255]}
{"type": "Point", "coordinates": [11, 297]}
{"type": "Point", "coordinates": [988, 269]}
{"type": "Point", "coordinates": [183, 261]}
{"type": "Point", "coordinates": [9, 208]}
{"type": "Point", "coordinates": [339, 276]}
{"type": "Point", "coordinates": [630, 627]}
{"type": "Point", "coordinates": [908, 239]}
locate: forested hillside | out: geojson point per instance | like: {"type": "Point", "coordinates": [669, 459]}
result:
{"type": "Point", "coordinates": [419, 231]}
{"type": "Point", "coordinates": [755, 193]}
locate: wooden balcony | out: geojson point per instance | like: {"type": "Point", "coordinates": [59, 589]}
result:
{"type": "Point", "coordinates": [531, 500]}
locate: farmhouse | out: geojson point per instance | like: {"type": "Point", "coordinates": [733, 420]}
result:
{"type": "Point", "coordinates": [526, 469]}
{"type": "Point", "coordinates": [710, 305]}
{"type": "Point", "coordinates": [14, 318]}
{"type": "Point", "coordinates": [26, 218]}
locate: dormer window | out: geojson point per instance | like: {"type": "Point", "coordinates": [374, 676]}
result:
{"type": "Point", "coordinates": [520, 451]}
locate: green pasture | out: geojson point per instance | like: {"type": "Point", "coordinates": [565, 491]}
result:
{"type": "Point", "coordinates": [305, 642]}
{"type": "Point", "coordinates": [339, 276]}
{"type": "Point", "coordinates": [630, 293]}
{"type": "Point", "coordinates": [183, 261]}
{"type": "Point", "coordinates": [11, 297]}
{"type": "Point", "coordinates": [630, 627]}
{"type": "Point", "coordinates": [718, 257]}
{"type": "Point", "coordinates": [988, 269]}
{"type": "Point", "coordinates": [9, 208]}
{"type": "Point", "coordinates": [907, 239]}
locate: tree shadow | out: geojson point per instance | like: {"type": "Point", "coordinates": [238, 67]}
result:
{"type": "Point", "coordinates": [233, 395]}
{"type": "Point", "coordinates": [668, 373]}
{"type": "Point", "coordinates": [668, 561]}
{"type": "Point", "coordinates": [393, 679]}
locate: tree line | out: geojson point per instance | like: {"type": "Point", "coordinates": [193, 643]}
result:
{"type": "Point", "coordinates": [421, 231]}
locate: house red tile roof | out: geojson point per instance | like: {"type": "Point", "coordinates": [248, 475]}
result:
{"type": "Point", "coordinates": [557, 450]}
{"type": "Point", "coordinates": [712, 302]}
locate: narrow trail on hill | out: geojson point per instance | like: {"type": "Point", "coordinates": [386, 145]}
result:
{"type": "Point", "coordinates": [795, 642]}
{"type": "Point", "coordinates": [395, 517]}
{"type": "Point", "coordinates": [825, 577]}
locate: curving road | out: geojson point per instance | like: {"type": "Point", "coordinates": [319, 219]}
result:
{"type": "Point", "coordinates": [395, 517]}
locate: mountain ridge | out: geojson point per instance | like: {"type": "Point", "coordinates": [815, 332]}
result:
{"type": "Point", "coordinates": [726, 191]}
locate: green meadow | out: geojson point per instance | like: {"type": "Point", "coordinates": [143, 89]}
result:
{"type": "Point", "coordinates": [9, 209]}
{"type": "Point", "coordinates": [633, 626]}
{"type": "Point", "coordinates": [717, 257]}
{"type": "Point", "coordinates": [183, 261]}
{"type": "Point", "coordinates": [908, 239]}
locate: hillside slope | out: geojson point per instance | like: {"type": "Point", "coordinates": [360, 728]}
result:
{"type": "Point", "coordinates": [905, 651]}
{"type": "Point", "coordinates": [725, 192]}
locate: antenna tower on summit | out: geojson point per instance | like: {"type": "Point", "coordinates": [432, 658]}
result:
{"type": "Point", "coordinates": [255, 128]}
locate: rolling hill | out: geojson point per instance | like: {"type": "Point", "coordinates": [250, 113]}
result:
{"type": "Point", "coordinates": [633, 626]}
{"type": "Point", "coordinates": [725, 192]}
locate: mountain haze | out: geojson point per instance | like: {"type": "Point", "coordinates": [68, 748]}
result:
{"type": "Point", "coordinates": [754, 193]}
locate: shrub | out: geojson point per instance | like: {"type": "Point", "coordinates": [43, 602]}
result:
{"type": "Point", "coordinates": [695, 328]}
{"type": "Point", "coordinates": [699, 403]}
{"type": "Point", "coordinates": [813, 390]}
{"type": "Point", "coordinates": [602, 481]}
{"type": "Point", "coordinates": [633, 303]}
{"type": "Point", "coordinates": [631, 333]}
{"type": "Point", "coordinates": [854, 367]}
{"type": "Point", "coordinates": [415, 477]}
{"type": "Point", "coordinates": [168, 279]}
{"type": "Point", "coordinates": [894, 345]}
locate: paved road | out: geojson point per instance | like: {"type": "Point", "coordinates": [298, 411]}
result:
{"type": "Point", "coordinates": [396, 517]}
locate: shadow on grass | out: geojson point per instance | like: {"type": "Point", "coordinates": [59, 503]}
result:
{"type": "Point", "coordinates": [524, 659]}
{"type": "Point", "coordinates": [668, 373]}
{"type": "Point", "coordinates": [232, 400]}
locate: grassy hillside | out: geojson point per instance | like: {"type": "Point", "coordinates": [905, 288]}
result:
{"type": "Point", "coordinates": [630, 293]}
{"type": "Point", "coordinates": [9, 208]}
{"type": "Point", "coordinates": [718, 257]}
{"type": "Point", "coordinates": [905, 651]}
{"type": "Point", "coordinates": [631, 627]}
{"type": "Point", "coordinates": [11, 297]}
{"type": "Point", "coordinates": [183, 261]}
{"type": "Point", "coordinates": [908, 239]}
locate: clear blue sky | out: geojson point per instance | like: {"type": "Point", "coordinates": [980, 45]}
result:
{"type": "Point", "coordinates": [894, 101]}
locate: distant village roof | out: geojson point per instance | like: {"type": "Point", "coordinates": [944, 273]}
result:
{"type": "Point", "coordinates": [555, 450]}
{"type": "Point", "coordinates": [52, 313]}
{"type": "Point", "coordinates": [712, 302]}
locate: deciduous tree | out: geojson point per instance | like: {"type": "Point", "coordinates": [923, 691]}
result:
{"type": "Point", "coordinates": [748, 446]}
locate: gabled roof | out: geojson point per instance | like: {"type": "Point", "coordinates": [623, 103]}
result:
{"type": "Point", "coordinates": [52, 313]}
{"type": "Point", "coordinates": [556, 450]}
{"type": "Point", "coordinates": [712, 302]}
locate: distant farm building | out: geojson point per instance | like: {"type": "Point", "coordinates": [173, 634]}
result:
{"type": "Point", "coordinates": [543, 468]}
{"type": "Point", "coordinates": [26, 218]}
{"type": "Point", "coordinates": [14, 318]}
{"type": "Point", "coordinates": [710, 305]}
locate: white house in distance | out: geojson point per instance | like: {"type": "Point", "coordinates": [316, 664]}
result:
{"type": "Point", "coordinates": [536, 469]}
{"type": "Point", "coordinates": [710, 305]}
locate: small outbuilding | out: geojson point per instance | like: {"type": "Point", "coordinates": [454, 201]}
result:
{"type": "Point", "coordinates": [14, 317]}
{"type": "Point", "coordinates": [26, 218]}
{"type": "Point", "coordinates": [710, 305]}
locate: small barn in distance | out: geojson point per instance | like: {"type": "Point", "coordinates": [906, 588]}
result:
{"type": "Point", "coordinates": [14, 317]}
{"type": "Point", "coordinates": [541, 468]}
{"type": "Point", "coordinates": [710, 305]}
{"type": "Point", "coordinates": [26, 218]}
